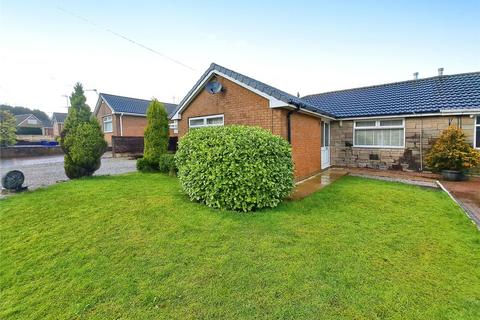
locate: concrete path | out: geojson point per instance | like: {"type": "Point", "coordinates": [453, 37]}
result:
{"type": "Point", "coordinates": [44, 171]}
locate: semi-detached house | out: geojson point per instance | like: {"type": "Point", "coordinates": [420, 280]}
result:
{"type": "Point", "coordinates": [387, 126]}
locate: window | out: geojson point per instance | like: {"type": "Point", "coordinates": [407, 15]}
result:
{"type": "Point", "coordinates": [385, 133]}
{"type": "Point", "coordinates": [107, 124]}
{"type": "Point", "coordinates": [208, 121]}
{"type": "Point", "coordinates": [32, 121]}
{"type": "Point", "coordinates": [477, 133]}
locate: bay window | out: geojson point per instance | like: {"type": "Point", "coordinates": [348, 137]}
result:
{"type": "Point", "coordinates": [381, 133]}
{"type": "Point", "coordinates": [208, 121]}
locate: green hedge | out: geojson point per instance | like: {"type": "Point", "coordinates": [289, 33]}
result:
{"type": "Point", "coordinates": [235, 167]}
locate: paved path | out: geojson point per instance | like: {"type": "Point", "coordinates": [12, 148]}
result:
{"type": "Point", "coordinates": [467, 194]}
{"type": "Point", "coordinates": [44, 171]}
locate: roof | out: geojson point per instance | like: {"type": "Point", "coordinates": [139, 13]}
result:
{"type": "Point", "coordinates": [59, 116]}
{"type": "Point", "coordinates": [288, 99]}
{"type": "Point", "coordinates": [428, 95]}
{"type": "Point", "coordinates": [20, 118]}
{"type": "Point", "coordinates": [121, 104]}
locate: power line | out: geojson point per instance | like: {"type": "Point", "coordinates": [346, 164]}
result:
{"type": "Point", "coordinates": [121, 36]}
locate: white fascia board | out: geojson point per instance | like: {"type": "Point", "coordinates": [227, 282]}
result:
{"type": "Point", "coordinates": [273, 102]}
{"type": "Point", "coordinates": [99, 103]}
{"type": "Point", "coordinates": [410, 115]}
{"type": "Point", "coordinates": [460, 111]}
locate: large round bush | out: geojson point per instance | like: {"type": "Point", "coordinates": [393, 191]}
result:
{"type": "Point", "coordinates": [235, 167]}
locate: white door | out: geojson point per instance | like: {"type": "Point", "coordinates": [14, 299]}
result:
{"type": "Point", "coordinates": [325, 145]}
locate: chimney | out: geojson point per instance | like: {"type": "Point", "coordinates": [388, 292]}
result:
{"type": "Point", "coordinates": [440, 72]}
{"type": "Point", "coordinates": [415, 76]}
{"type": "Point", "coordinates": [298, 94]}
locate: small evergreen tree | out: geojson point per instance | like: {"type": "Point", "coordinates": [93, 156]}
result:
{"type": "Point", "coordinates": [82, 138]}
{"type": "Point", "coordinates": [156, 135]}
{"type": "Point", "coordinates": [7, 129]}
{"type": "Point", "coordinates": [86, 148]}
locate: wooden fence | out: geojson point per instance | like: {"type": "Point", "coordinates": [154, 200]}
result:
{"type": "Point", "coordinates": [133, 146]}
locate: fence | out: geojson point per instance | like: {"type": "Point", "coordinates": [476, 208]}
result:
{"type": "Point", "coordinates": [133, 146]}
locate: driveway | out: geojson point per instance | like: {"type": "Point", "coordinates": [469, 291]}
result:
{"type": "Point", "coordinates": [44, 171]}
{"type": "Point", "coordinates": [467, 194]}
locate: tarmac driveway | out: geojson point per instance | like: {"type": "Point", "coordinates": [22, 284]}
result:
{"type": "Point", "coordinates": [44, 171]}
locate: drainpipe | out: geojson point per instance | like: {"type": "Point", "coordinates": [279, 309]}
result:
{"type": "Point", "coordinates": [121, 124]}
{"type": "Point", "coordinates": [289, 124]}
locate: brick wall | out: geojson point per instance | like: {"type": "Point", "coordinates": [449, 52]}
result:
{"type": "Point", "coordinates": [306, 144]}
{"type": "Point", "coordinates": [133, 126]}
{"type": "Point", "coordinates": [104, 110]}
{"type": "Point", "coordinates": [420, 133]}
{"type": "Point", "coordinates": [242, 106]}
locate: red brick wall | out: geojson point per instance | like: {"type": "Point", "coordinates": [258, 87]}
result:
{"type": "Point", "coordinates": [306, 144]}
{"type": "Point", "coordinates": [133, 126]}
{"type": "Point", "coordinates": [242, 106]}
{"type": "Point", "coordinates": [238, 105]}
{"type": "Point", "coordinates": [103, 111]}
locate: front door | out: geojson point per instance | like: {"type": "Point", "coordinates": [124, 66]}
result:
{"type": "Point", "coordinates": [325, 145]}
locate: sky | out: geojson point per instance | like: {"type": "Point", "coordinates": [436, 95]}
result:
{"type": "Point", "coordinates": [297, 46]}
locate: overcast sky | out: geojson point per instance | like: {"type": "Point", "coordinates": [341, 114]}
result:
{"type": "Point", "coordinates": [306, 47]}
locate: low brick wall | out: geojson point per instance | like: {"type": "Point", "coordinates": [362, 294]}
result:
{"type": "Point", "coordinates": [29, 151]}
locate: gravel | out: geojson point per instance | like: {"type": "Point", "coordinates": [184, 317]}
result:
{"type": "Point", "coordinates": [44, 171]}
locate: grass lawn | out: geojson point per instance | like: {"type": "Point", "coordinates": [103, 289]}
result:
{"type": "Point", "coordinates": [133, 247]}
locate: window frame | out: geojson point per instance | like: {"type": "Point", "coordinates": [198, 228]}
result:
{"type": "Point", "coordinates": [204, 118]}
{"type": "Point", "coordinates": [107, 121]}
{"type": "Point", "coordinates": [377, 126]}
{"type": "Point", "coordinates": [32, 121]}
{"type": "Point", "coordinates": [475, 126]}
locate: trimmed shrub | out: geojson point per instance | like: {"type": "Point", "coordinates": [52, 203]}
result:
{"type": "Point", "coordinates": [7, 129]}
{"type": "Point", "coordinates": [451, 151]}
{"type": "Point", "coordinates": [235, 167]}
{"type": "Point", "coordinates": [86, 147]}
{"type": "Point", "coordinates": [146, 165]}
{"type": "Point", "coordinates": [166, 164]}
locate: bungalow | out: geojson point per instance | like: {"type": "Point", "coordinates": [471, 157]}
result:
{"type": "Point", "coordinates": [58, 119]}
{"type": "Point", "coordinates": [387, 126]}
{"type": "Point", "coordinates": [124, 116]}
{"type": "Point", "coordinates": [28, 124]}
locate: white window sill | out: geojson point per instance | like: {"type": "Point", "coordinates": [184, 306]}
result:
{"type": "Point", "coordinates": [378, 147]}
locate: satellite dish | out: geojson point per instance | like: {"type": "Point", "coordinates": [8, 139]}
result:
{"type": "Point", "coordinates": [213, 87]}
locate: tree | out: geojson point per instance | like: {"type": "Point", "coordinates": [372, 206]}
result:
{"type": "Point", "coordinates": [7, 128]}
{"type": "Point", "coordinates": [22, 110]}
{"type": "Point", "coordinates": [156, 132]}
{"type": "Point", "coordinates": [86, 148]}
{"type": "Point", "coordinates": [82, 138]}
{"type": "Point", "coordinates": [78, 112]}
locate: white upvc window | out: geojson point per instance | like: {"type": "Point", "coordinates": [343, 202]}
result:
{"type": "Point", "coordinates": [476, 138]}
{"type": "Point", "coordinates": [208, 121]}
{"type": "Point", "coordinates": [32, 121]}
{"type": "Point", "coordinates": [174, 126]}
{"type": "Point", "coordinates": [379, 133]}
{"type": "Point", "coordinates": [107, 124]}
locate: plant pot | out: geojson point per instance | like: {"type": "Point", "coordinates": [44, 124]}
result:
{"type": "Point", "coordinates": [453, 175]}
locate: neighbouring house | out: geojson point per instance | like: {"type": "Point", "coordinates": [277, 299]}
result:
{"type": "Point", "coordinates": [28, 124]}
{"type": "Point", "coordinates": [387, 126]}
{"type": "Point", "coordinates": [58, 120]}
{"type": "Point", "coordinates": [124, 116]}
{"type": "Point", "coordinates": [47, 129]}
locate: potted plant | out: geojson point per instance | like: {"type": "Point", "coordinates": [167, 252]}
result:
{"type": "Point", "coordinates": [451, 154]}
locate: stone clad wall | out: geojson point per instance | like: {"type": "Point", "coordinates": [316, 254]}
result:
{"type": "Point", "coordinates": [420, 134]}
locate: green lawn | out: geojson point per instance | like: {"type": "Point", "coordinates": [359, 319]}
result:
{"type": "Point", "coordinates": [133, 247]}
